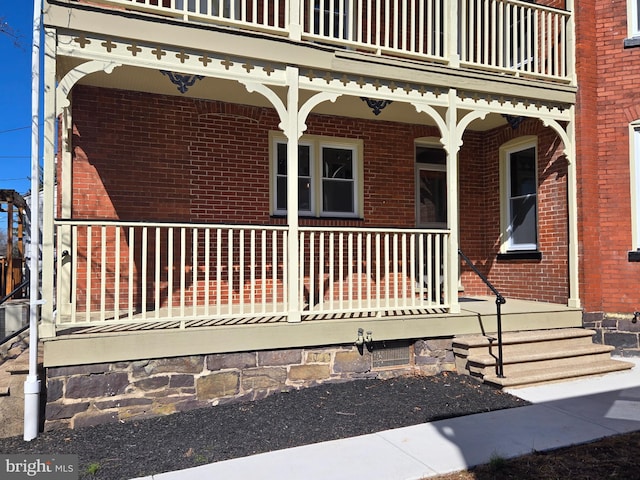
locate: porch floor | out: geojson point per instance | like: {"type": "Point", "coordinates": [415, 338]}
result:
{"type": "Point", "coordinates": [477, 307]}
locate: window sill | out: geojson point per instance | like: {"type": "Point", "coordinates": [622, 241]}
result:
{"type": "Point", "coordinates": [634, 256]}
{"type": "Point", "coordinates": [632, 42]}
{"type": "Point", "coordinates": [525, 255]}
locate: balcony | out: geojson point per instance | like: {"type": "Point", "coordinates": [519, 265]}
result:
{"type": "Point", "coordinates": [501, 36]}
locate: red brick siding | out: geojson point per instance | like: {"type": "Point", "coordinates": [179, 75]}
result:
{"type": "Point", "coordinates": [608, 99]}
{"type": "Point", "coordinates": [147, 157]}
{"type": "Point", "coordinates": [544, 280]}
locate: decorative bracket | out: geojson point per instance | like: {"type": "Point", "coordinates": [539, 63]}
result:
{"type": "Point", "coordinates": [182, 81]}
{"type": "Point", "coordinates": [376, 105]}
{"type": "Point", "coordinates": [71, 78]}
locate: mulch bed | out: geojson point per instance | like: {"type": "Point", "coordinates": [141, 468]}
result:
{"type": "Point", "coordinates": [283, 420]}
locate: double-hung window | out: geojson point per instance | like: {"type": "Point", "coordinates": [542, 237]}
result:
{"type": "Point", "coordinates": [519, 196]}
{"type": "Point", "coordinates": [329, 177]}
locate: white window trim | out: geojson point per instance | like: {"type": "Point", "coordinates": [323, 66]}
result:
{"type": "Point", "coordinates": [633, 29]}
{"type": "Point", "coordinates": [634, 181]}
{"type": "Point", "coordinates": [316, 143]}
{"type": "Point", "coordinates": [515, 145]}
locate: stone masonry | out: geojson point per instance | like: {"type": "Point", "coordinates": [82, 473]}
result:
{"type": "Point", "coordinates": [80, 396]}
{"type": "Point", "coordinates": [618, 330]}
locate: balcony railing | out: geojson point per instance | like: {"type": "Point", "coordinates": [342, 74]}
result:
{"type": "Point", "coordinates": [508, 36]}
{"type": "Point", "coordinates": [124, 272]}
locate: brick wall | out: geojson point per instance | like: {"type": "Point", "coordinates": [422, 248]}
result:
{"type": "Point", "coordinates": [543, 280]}
{"type": "Point", "coordinates": [608, 100]}
{"type": "Point", "coordinates": [148, 157]}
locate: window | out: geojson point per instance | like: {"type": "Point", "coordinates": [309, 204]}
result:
{"type": "Point", "coordinates": [328, 186]}
{"type": "Point", "coordinates": [634, 132]}
{"type": "Point", "coordinates": [633, 18]}
{"type": "Point", "coordinates": [431, 188]}
{"type": "Point", "coordinates": [519, 198]}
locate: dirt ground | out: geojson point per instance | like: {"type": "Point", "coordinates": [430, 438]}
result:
{"type": "Point", "coordinates": [612, 458]}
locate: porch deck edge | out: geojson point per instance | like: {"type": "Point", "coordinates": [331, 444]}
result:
{"type": "Point", "coordinates": [81, 349]}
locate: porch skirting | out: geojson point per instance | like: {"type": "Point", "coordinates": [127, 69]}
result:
{"type": "Point", "coordinates": [79, 396]}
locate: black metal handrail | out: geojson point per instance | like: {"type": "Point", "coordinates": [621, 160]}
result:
{"type": "Point", "coordinates": [4, 299]}
{"type": "Point", "coordinates": [500, 300]}
{"type": "Point", "coordinates": [14, 291]}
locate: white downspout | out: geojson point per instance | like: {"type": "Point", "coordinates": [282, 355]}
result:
{"type": "Point", "coordinates": [32, 383]}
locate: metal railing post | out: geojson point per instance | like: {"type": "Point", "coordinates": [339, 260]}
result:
{"type": "Point", "coordinates": [500, 300]}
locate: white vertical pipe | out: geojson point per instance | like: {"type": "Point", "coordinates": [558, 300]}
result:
{"type": "Point", "coordinates": [32, 383]}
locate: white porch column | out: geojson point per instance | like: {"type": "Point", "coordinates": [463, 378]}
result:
{"type": "Point", "coordinates": [292, 131]}
{"type": "Point", "coordinates": [451, 143]}
{"type": "Point", "coordinates": [572, 207]}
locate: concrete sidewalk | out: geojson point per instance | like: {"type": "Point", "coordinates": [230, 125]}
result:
{"type": "Point", "coordinates": [562, 414]}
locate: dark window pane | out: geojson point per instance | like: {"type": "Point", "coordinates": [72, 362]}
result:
{"type": "Point", "coordinates": [523, 172]}
{"type": "Point", "coordinates": [337, 196]}
{"type": "Point", "coordinates": [433, 155]}
{"type": "Point", "coordinates": [337, 163]}
{"type": "Point", "coordinates": [304, 194]}
{"type": "Point", "coordinates": [523, 220]}
{"type": "Point", "coordinates": [304, 180]}
{"type": "Point", "coordinates": [304, 165]}
{"type": "Point", "coordinates": [433, 197]}
{"type": "Point", "coordinates": [303, 160]}
{"type": "Point", "coordinates": [282, 159]}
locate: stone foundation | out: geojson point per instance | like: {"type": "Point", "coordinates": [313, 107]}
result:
{"type": "Point", "coordinates": [616, 329]}
{"type": "Point", "coordinates": [80, 396]}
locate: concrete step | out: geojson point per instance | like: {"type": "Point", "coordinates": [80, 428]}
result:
{"type": "Point", "coordinates": [534, 357]}
{"type": "Point", "coordinates": [486, 364]}
{"type": "Point", "coordinates": [519, 342]}
{"type": "Point", "coordinates": [535, 377]}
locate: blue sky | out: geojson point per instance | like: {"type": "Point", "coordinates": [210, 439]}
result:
{"type": "Point", "coordinates": [15, 97]}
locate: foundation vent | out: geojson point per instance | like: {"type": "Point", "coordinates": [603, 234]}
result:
{"type": "Point", "coordinates": [391, 353]}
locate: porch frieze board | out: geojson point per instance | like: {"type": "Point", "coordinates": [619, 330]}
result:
{"type": "Point", "coordinates": [514, 106]}
{"type": "Point", "coordinates": [371, 87]}
{"type": "Point", "coordinates": [168, 58]}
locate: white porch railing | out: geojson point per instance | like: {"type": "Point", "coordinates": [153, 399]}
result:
{"type": "Point", "coordinates": [500, 35]}
{"type": "Point", "coordinates": [126, 272]}
{"type": "Point", "coordinates": [373, 270]}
